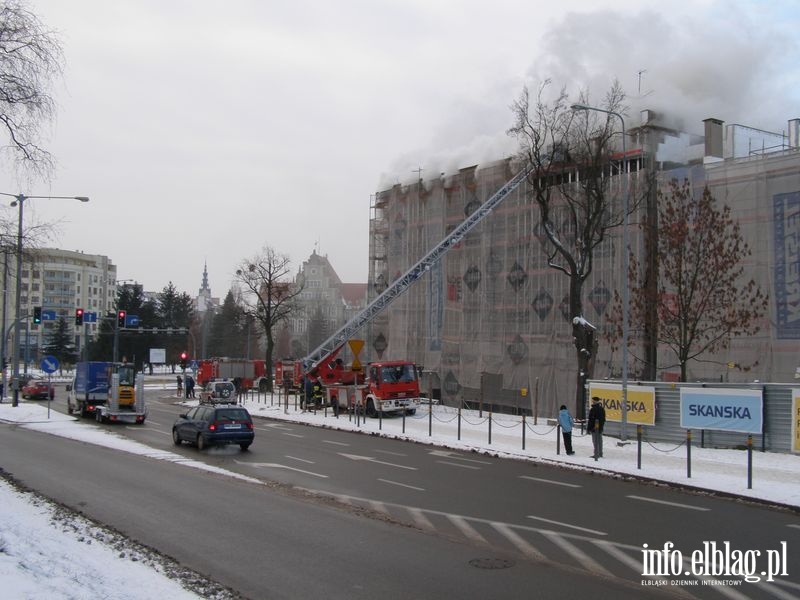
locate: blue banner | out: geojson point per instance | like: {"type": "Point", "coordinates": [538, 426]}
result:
{"type": "Point", "coordinates": [786, 227]}
{"type": "Point", "coordinates": [722, 409]}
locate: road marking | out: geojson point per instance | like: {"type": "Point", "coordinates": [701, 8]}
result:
{"type": "Point", "coordinates": [310, 462]}
{"type": "Point", "coordinates": [560, 524]}
{"type": "Point", "coordinates": [468, 530]}
{"type": "Point", "coordinates": [517, 540]}
{"type": "Point", "coordinates": [448, 454]}
{"type": "Point", "coordinates": [444, 462]}
{"type": "Point", "coordinates": [572, 485]}
{"type": "Point", "coordinates": [150, 428]}
{"type": "Point", "coordinates": [278, 466]}
{"type": "Point", "coordinates": [375, 460]}
{"type": "Point", "coordinates": [626, 560]}
{"type": "Point", "coordinates": [405, 485]}
{"type": "Point", "coordinates": [677, 504]}
{"type": "Point", "coordinates": [335, 443]}
{"type": "Point", "coordinates": [278, 426]}
{"type": "Point", "coordinates": [796, 526]}
{"type": "Point", "coordinates": [379, 507]}
{"type": "Point", "coordinates": [297, 435]}
{"type": "Point", "coordinates": [579, 555]}
{"type": "Point", "coordinates": [391, 453]}
{"type": "Point", "coordinates": [421, 520]}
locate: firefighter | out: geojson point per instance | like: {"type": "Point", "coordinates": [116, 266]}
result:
{"type": "Point", "coordinates": [316, 393]}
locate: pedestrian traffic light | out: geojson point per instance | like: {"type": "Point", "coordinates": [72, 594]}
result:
{"type": "Point", "coordinates": [37, 314]}
{"type": "Point", "coordinates": [184, 356]}
{"type": "Point", "coordinates": [121, 318]}
{"type": "Point", "coordinates": [78, 316]}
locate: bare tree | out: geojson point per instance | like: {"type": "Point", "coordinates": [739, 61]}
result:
{"type": "Point", "coordinates": [268, 293]}
{"type": "Point", "coordinates": [701, 300]}
{"type": "Point", "coordinates": [571, 162]}
{"type": "Point", "coordinates": [30, 59]}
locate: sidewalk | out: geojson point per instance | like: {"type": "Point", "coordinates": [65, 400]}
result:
{"type": "Point", "coordinates": [775, 477]}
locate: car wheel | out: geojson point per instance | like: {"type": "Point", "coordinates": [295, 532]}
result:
{"type": "Point", "coordinates": [244, 446]}
{"type": "Point", "coordinates": [201, 443]}
{"type": "Point", "coordinates": [176, 439]}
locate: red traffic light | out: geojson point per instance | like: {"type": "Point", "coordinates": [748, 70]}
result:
{"type": "Point", "coordinates": [78, 316]}
{"type": "Point", "coordinates": [121, 318]}
{"type": "Point", "coordinates": [184, 356]}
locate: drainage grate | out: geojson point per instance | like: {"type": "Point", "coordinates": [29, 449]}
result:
{"type": "Point", "coordinates": [491, 563]}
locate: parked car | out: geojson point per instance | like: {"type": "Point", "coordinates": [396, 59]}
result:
{"type": "Point", "coordinates": [215, 425]}
{"type": "Point", "coordinates": [221, 391]}
{"type": "Point", "coordinates": [37, 389]}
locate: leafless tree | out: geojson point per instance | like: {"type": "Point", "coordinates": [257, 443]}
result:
{"type": "Point", "coordinates": [571, 157]}
{"type": "Point", "coordinates": [30, 60]}
{"type": "Point", "coordinates": [268, 293]}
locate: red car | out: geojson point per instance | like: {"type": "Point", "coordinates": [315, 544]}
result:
{"type": "Point", "coordinates": [36, 389]}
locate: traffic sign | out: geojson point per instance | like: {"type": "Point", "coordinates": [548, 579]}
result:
{"type": "Point", "coordinates": [131, 320]}
{"type": "Point", "coordinates": [90, 317]}
{"type": "Point", "coordinates": [49, 364]}
{"type": "Point", "coordinates": [48, 315]}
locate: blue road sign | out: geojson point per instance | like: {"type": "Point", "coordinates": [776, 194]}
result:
{"type": "Point", "coordinates": [48, 315]}
{"type": "Point", "coordinates": [90, 317]}
{"type": "Point", "coordinates": [193, 365]}
{"type": "Point", "coordinates": [131, 320]}
{"type": "Point", "coordinates": [49, 364]}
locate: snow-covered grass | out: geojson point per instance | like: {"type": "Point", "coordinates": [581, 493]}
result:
{"type": "Point", "coordinates": [38, 538]}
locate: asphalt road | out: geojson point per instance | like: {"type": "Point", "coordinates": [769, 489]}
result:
{"type": "Point", "coordinates": [475, 506]}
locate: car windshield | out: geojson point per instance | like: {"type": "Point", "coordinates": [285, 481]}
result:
{"type": "Point", "coordinates": [233, 414]}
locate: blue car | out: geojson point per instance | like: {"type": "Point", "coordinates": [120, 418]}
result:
{"type": "Point", "coordinates": [206, 426]}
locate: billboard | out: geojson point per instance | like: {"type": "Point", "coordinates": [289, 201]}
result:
{"type": "Point", "coordinates": [722, 409]}
{"type": "Point", "coordinates": [641, 402]}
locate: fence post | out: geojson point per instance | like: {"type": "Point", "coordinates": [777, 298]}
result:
{"type": "Point", "coordinates": [558, 439]}
{"type": "Point", "coordinates": [459, 422]}
{"type": "Point", "coordinates": [404, 421]}
{"type": "Point", "coordinates": [749, 462]}
{"type": "Point", "coordinates": [639, 446]}
{"type": "Point", "coordinates": [523, 431]}
{"type": "Point", "coordinates": [536, 403]}
{"type": "Point", "coordinates": [430, 420]}
{"type": "Point", "coordinates": [689, 453]}
{"type": "Point", "coordinates": [490, 428]}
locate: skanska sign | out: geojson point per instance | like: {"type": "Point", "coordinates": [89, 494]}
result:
{"type": "Point", "coordinates": [722, 409]}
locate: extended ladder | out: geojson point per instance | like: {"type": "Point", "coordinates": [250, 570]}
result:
{"type": "Point", "coordinates": [405, 281]}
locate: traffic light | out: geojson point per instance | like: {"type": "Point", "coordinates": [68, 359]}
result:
{"type": "Point", "coordinates": [37, 314]}
{"type": "Point", "coordinates": [184, 357]}
{"type": "Point", "coordinates": [121, 318]}
{"type": "Point", "coordinates": [78, 316]}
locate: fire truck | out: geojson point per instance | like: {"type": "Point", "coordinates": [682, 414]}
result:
{"type": "Point", "coordinates": [289, 373]}
{"type": "Point", "coordinates": [251, 373]}
{"type": "Point", "coordinates": [348, 387]}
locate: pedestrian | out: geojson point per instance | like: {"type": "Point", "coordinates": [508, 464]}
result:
{"type": "Point", "coordinates": [597, 420]}
{"type": "Point", "coordinates": [565, 420]}
{"type": "Point", "coordinates": [180, 386]}
{"type": "Point", "coordinates": [189, 386]}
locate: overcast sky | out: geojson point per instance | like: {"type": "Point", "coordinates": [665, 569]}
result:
{"type": "Point", "coordinates": [203, 131]}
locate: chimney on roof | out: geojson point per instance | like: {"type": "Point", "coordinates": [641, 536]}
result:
{"type": "Point", "coordinates": [794, 133]}
{"type": "Point", "coordinates": [713, 137]}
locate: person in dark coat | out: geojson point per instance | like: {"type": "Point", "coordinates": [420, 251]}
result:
{"type": "Point", "coordinates": [597, 420]}
{"type": "Point", "coordinates": [565, 420]}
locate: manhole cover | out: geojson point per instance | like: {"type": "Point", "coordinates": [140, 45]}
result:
{"type": "Point", "coordinates": [491, 563]}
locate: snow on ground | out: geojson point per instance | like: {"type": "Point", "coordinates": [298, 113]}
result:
{"type": "Point", "coordinates": [38, 538]}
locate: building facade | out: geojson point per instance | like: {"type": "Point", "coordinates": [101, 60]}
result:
{"type": "Point", "coordinates": [58, 281]}
{"type": "Point", "coordinates": [492, 318]}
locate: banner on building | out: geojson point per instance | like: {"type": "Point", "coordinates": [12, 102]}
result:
{"type": "Point", "coordinates": [641, 402]}
{"type": "Point", "coordinates": [722, 409]}
{"type": "Point", "coordinates": [795, 420]}
{"type": "Point", "coordinates": [786, 226]}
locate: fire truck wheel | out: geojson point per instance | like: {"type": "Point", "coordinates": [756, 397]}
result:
{"type": "Point", "coordinates": [371, 412]}
{"type": "Point", "coordinates": [201, 443]}
{"type": "Point", "coordinates": [411, 411]}
{"type": "Point", "coordinates": [262, 386]}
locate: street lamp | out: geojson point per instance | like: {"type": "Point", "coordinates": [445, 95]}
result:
{"type": "Point", "coordinates": [19, 200]}
{"type": "Point", "coordinates": [625, 285]}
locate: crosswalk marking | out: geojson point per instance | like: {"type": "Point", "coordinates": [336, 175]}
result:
{"type": "Point", "coordinates": [468, 530]}
{"type": "Point", "coordinates": [579, 555]}
{"type": "Point", "coordinates": [521, 544]}
{"type": "Point", "coordinates": [421, 520]}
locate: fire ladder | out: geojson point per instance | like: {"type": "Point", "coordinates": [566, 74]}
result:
{"type": "Point", "coordinates": [401, 284]}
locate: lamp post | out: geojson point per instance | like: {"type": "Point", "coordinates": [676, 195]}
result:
{"type": "Point", "coordinates": [625, 284]}
{"type": "Point", "coordinates": [19, 200]}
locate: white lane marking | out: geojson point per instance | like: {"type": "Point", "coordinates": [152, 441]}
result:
{"type": "Point", "coordinates": [308, 462]}
{"type": "Point", "coordinates": [375, 460]}
{"type": "Point", "coordinates": [391, 453]}
{"type": "Point", "coordinates": [572, 485]}
{"type": "Point", "coordinates": [297, 435]}
{"type": "Point", "coordinates": [579, 555]}
{"type": "Point", "coordinates": [560, 524]}
{"type": "Point", "coordinates": [677, 504]}
{"type": "Point", "coordinates": [448, 454]}
{"type": "Point", "coordinates": [444, 462]}
{"type": "Point", "coordinates": [279, 466]}
{"type": "Point", "coordinates": [626, 560]}
{"type": "Point", "coordinates": [150, 428]}
{"type": "Point", "coordinates": [795, 525]}
{"type": "Point", "coordinates": [278, 426]}
{"type": "Point", "coordinates": [335, 443]}
{"type": "Point", "coordinates": [517, 540]}
{"type": "Point", "coordinates": [421, 520]}
{"type": "Point", "coordinates": [468, 530]}
{"type": "Point", "coordinates": [405, 485]}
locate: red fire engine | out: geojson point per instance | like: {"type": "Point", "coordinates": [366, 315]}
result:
{"type": "Point", "coordinates": [251, 373]}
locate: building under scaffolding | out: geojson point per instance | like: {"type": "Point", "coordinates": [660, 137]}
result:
{"type": "Point", "coordinates": [490, 323]}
